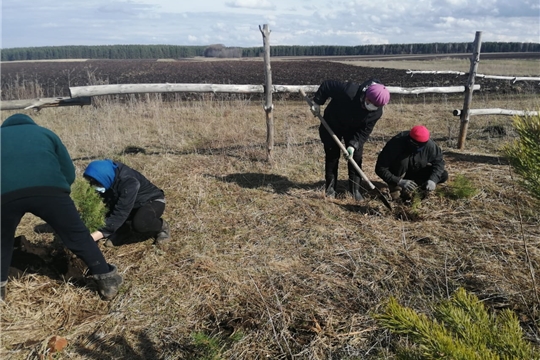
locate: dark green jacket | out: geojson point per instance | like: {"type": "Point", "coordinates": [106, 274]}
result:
{"type": "Point", "coordinates": [34, 161]}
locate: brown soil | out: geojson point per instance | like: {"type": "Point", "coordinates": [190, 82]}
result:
{"type": "Point", "coordinates": [55, 78]}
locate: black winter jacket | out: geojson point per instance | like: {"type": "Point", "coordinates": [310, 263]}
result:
{"type": "Point", "coordinates": [399, 156]}
{"type": "Point", "coordinates": [129, 191]}
{"type": "Point", "coordinates": [345, 114]}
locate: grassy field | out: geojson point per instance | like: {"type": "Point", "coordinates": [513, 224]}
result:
{"type": "Point", "coordinates": [262, 265]}
{"type": "Point", "coordinates": [503, 67]}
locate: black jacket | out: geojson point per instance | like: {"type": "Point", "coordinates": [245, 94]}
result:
{"type": "Point", "coordinates": [345, 114]}
{"type": "Point", "coordinates": [130, 190]}
{"type": "Point", "coordinates": [399, 157]}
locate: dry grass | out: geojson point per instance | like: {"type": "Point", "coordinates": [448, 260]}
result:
{"type": "Point", "coordinates": [261, 262]}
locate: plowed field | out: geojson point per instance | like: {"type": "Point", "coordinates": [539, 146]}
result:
{"type": "Point", "coordinates": [55, 78]}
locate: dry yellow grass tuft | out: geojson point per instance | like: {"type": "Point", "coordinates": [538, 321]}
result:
{"type": "Point", "coordinates": [262, 263]}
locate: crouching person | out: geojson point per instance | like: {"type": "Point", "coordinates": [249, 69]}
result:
{"type": "Point", "coordinates": [129, 196]}
{"type": "Point", "coordinates": [411, 160]}
{"type": "Point", "coordinates": [37, 173]}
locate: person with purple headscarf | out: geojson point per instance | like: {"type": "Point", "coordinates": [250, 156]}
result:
{"type": "Point", "coordinates": [129, 196]}
{"type": "Point", "coordinates": [352, 113]}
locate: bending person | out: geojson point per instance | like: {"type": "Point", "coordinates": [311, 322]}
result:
{"type": "Point", "coordinates": [37, 173]}
{"type": "Point", "coordinates": [129, 196]}
{"type": "Point", "coordinates": [351, 114]}
{"type": "Point", "coordinates": [410, 160]}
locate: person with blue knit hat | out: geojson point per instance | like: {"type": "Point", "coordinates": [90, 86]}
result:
{"type": "Point", "coordinates": [411, 160]}
{"type": "Point", "coordinates": [352, 113]}
{"type": "Point", "coordinates": [37, 174]}
{"type": "Point", "coordinates": [129, 197]}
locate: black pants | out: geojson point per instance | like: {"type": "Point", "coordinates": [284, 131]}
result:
{"type": "Point", "coordinates": [147, 218]}
{"type": "Point", "coordinates": [332, 152]}
{"type": "Point", "coordinates": [422, 176]}
{"type": "Point", "coordinates": [60, 213]}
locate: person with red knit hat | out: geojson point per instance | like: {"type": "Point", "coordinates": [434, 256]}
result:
{"type": "Point", "coordinates": [352, 113]}
{"type": "Point", "coordinates": [410, 160]}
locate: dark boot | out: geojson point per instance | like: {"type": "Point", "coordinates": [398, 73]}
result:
{"type": "Point", "coordinates": [3, 290]}
{"type": "Point", "coordinates": [331, 176]}
{"type": "Point", "coordinates": [108, 283]}
{"type": "Point", "coordinates": [330, 186]}
{"type": "Point", "coordinates": [354, 187]}
{"type": "Point", "coordinates": [164, 235]}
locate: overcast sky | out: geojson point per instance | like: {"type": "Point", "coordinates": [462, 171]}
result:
{"type": "Point", "coordinates": [27, 23]}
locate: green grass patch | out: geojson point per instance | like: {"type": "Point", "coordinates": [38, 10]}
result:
{"type": "Point", "coordinates": [460, 188]}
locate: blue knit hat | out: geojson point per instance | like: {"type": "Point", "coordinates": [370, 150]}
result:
{"type": "Point", "coordinates": [103, 171]}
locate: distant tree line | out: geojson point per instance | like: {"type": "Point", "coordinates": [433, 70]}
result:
{"type": "Point", "coordinates": [218, 50]}
{"type": "Point", "coordinates": [392, 49]}
{"type": "Point", "coordinates": [103, 52]}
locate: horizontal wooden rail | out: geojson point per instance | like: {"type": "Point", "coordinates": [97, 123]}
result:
{"type": "Point", "coordinates": [427, 90]}
{"type": "Point", "coordinates": [82, 95]}
{"type": "Point", "coordinates": [97, 90]}
{"type": "Point", "coordinates": [498, 77]}
{"type": "Point", "coordinates": [40, 103]}
{"type": "Point", "coordinates": [458, 112]}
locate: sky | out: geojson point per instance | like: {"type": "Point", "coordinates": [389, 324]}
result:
{"type": "Point", "coordinates": [31, 23]}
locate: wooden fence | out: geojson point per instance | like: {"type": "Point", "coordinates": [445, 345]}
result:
{"type": "Point", "coordinates": [82, 95]}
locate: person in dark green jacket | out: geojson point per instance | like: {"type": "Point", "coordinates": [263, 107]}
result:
{"type": "Point", "coordinates": [411, 160]}
{"type": "Point", "coordinates": [37, 173]}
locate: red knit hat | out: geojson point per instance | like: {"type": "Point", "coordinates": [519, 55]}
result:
{"type": "Point", "coordinates": [378, 95]}
{"type": "Point", "coordinates": [419, 133]}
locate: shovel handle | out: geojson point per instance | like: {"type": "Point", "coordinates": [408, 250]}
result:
{"type": "Point", "coordinates": [339, 143]}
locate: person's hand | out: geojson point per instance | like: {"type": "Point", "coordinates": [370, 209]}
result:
{"type": "Point", "coordinates": [316, 109]}
{"type": "Point", "coordinates": [407, 185]}
{"type": "Point", "coordinates": [430, 186]}
{"type": "Point", "coordinates": [97, 235]}
{"type": "Point", "coordinates": [350, 151]}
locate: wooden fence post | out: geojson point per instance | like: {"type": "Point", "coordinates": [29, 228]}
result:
{"type": "Point", "coordinates": [268, 107]}
{"type": "Point", "coordinates": [469, 88]}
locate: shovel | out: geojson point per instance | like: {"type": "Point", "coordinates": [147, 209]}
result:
{"type": "Point", "coordinates": [380, 195]}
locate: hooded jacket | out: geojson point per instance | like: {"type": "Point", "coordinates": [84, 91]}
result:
{"type": "Point", "coordinates": [399, 156]}
{"type": "Point", "coordinates": [345, 114]}
{"type": "Point", "coordinates": [34, 161]}
{"type": "Point", "coordinates": [126, 191]}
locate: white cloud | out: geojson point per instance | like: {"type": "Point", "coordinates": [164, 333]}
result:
{"type": "Point", "coordinates": [251, 4]}
{"type": "Point", "coordinates": [292, 22]}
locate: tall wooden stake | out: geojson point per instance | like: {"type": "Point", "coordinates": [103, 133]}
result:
{"type": "Point", "coordinates": [268, 107]}
{"type": "Point", "coordinates": [475, 59]}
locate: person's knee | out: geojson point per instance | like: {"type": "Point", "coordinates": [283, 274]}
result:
{"type": "Point", "coordinates": [444, 177]}
{"type": "Point", "coordinates": [331, 152]}
{"type": "Point", "coordinates": [147, 225]}
{"type": "Point", "coordinates": [140, 226]}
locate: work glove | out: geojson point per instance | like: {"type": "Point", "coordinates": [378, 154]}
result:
{"type": "Point", "coordinates": [316, 109]}
{"type": "Point", "coordinates": [350, 151]}
{"type": "Point", "coordinates": [407, 185]}
{"type": "Point", "coordinates": [430, 186]}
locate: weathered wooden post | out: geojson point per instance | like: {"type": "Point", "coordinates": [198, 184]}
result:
{"type": "Point", "coordinates": [469, 88]}
{"type": "Point", "coordinates": [268, 107]}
